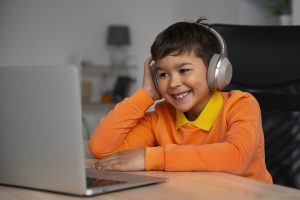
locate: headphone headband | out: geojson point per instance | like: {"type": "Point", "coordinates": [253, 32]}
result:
{"type": "Point", "coordinates": [223, 46]}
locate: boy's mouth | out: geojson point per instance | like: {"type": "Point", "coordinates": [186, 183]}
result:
{"type": "Point", "coordinates": [181, 95]}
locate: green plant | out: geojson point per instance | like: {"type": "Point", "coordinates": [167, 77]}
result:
{"type": "Point", "coordinates": [278, 7]}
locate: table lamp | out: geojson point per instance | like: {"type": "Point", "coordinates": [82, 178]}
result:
{"type": "Point", "coordinates": [117, 37]}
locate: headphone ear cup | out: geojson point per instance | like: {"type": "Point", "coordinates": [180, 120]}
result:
{"type": "Point", "coordinates": [225, 74]}
{"type": "Point", "coordinates": [212, 70]}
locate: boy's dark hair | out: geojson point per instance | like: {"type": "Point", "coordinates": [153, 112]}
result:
{"type": "Point", "coordinates": [183, 37]}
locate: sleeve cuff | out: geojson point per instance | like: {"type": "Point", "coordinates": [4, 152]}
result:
{"type": "Point", "coordinates": [155, 158]}
{"type": "Point", "coordinates": [141, 99]}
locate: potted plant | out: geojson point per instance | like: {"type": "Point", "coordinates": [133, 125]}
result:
{"type": "Point", "coordinates": [281, 9]}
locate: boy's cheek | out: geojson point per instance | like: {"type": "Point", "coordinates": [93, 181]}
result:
{"type": "Point", "coordinates": [162, 90]}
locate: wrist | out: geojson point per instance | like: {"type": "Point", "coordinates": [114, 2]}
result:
{"type": "Point", "coordinates": [152, 93]}
{"type": "Point", "coordinates": [149, 92]}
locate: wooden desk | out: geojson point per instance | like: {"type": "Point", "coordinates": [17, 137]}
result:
{"type": "Point", "coordinates": [181, 185]}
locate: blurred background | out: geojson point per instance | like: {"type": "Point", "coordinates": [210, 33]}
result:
{"type": "Point", "coordinates": [64, 32]}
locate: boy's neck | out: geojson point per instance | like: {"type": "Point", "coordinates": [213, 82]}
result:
{"type": "Point", "coordinates": [193, 115]}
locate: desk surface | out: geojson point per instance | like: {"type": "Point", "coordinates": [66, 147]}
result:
{"type": "Point", "coordinates": [181, 185]}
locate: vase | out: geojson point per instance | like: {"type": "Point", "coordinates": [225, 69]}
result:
{"type": "Point", "coordinates": [285, 20]}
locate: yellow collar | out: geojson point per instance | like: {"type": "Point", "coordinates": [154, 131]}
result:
{"type": "Point", "coordinates": [208, 115]}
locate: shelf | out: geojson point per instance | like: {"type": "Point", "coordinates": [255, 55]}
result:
{"type": "Point", "coordinates": [98, 83]}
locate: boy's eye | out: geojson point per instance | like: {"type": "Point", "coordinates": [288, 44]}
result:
{"type": "Point", "coordinates": [182, 71]}
{"type": "Point", "coordinates": [162, 74]}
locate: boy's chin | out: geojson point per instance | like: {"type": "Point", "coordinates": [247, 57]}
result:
{"type": "Point", "coordinates": [181, 109]}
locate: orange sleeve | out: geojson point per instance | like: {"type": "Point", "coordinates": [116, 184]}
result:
{"type": "Point", "coordinates": [127, 126]}
{"type": "Point", "coordinates": [231, 155]}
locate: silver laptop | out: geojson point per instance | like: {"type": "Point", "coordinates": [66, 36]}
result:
{"type": "Point", "coordinates": [41, 141]}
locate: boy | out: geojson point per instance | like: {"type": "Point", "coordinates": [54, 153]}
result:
{"type": "Point", "coordinates": [195, 127]}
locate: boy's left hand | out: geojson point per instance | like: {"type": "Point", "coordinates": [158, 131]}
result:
{"type": "Point", "coordinates": [130, 160]}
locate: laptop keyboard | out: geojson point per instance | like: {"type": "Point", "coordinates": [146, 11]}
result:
{"type": "Point", "coordinates": [96, 182]}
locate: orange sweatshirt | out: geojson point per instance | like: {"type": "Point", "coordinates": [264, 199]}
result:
{"type": "Point", "coordinates": [232, 143]}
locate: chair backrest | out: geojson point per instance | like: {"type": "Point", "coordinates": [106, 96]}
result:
{"type": "Point", "coordinates": [265, 62]}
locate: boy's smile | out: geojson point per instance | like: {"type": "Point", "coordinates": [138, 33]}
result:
{"type": "Point", "coordinates": [182, 82]}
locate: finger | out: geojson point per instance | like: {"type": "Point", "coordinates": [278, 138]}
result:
{"type": "Point", "coordinates": [111, 160]}
{"type": "Point", "coordinates": [99, 166]}
{"type": "Point", "coordinates": [147, 64]}
{"type": "Point", "coordinates": [148, 61]}
{"type": "Point", "coordinates": [113, 165]}
{"type": "Point", "coordinates": [89, 163]}
{"type": "Point", "coordinates": [108, 158]}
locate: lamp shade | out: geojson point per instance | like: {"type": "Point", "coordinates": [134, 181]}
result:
{"type": "Point", "coordinates": [118, 35]}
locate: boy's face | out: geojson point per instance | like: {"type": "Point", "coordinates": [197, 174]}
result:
{"type": "Point", "coordinates": [182, 82]}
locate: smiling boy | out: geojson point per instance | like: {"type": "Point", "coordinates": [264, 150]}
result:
{"type": "Point", "coordinates": [195, 128]}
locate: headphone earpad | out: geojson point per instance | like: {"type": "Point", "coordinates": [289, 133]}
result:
{"type": "Point", "coordinates": [224, 75]}
{"type": "Point", "coordinates": [212, 70]}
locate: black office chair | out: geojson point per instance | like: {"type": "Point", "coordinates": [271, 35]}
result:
{"type": "Point", "coordinates": [266, 62]}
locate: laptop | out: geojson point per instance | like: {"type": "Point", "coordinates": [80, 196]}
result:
{"type": "Point", "coordinates": [42, 145]}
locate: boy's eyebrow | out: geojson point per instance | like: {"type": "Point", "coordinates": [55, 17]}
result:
{"type": "Point", "coordinates": [179, 65]}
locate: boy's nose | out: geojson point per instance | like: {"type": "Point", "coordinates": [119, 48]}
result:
{"type": "Point", "coordinates": [175, 82]}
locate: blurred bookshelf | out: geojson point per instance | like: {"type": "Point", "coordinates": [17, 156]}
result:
{"type": "Point", "coordinates": [99, 83]}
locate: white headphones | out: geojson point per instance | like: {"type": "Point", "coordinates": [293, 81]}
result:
{"type": "Point", "coordinates": [219, 71]}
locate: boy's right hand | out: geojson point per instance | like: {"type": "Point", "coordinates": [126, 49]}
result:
{"type": "Point", "coordinates": [148, 83]}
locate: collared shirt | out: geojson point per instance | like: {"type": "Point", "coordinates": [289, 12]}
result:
{"type": "Point", "coordinates": [208, 115]}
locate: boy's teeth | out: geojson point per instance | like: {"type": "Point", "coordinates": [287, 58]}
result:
{"type": "Point", "coordinates": [181, 95]}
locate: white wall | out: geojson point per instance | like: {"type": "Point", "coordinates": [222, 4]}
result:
{"type": "Point", "coordinates": [35, 32]}
{"type": "Point", "coordinates": [216, 11]}
{"type": "Point", "coordinates": [296, 12]}
{"type": "Point", "coordinates": [253, 12]}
